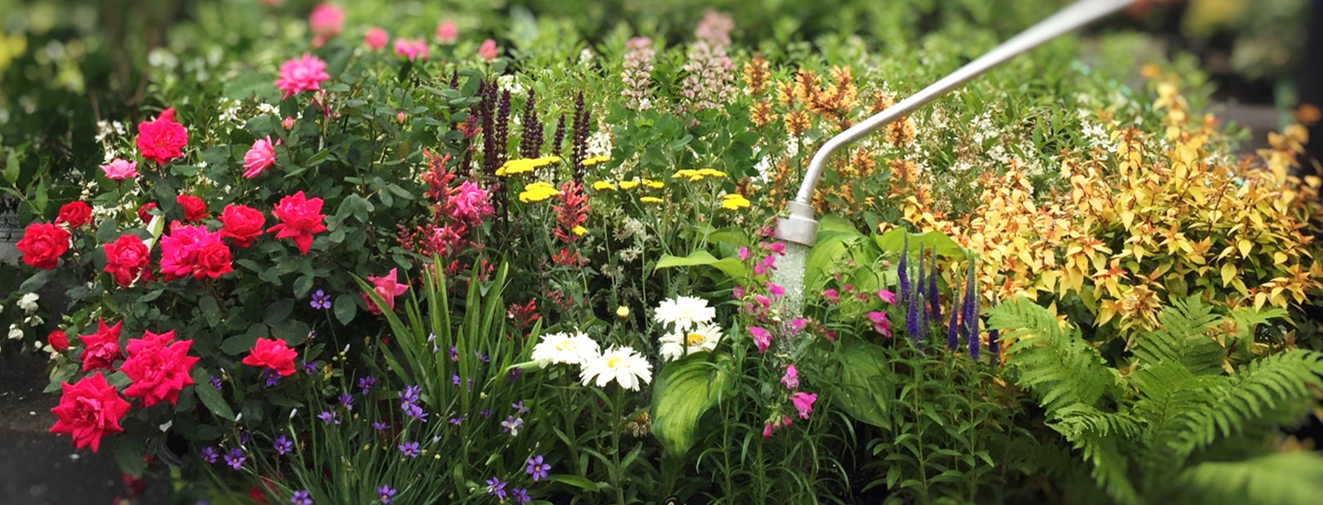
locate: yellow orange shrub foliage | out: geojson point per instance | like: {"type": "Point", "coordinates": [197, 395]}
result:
{"type": "Point", "coordinates": [1150, 220]}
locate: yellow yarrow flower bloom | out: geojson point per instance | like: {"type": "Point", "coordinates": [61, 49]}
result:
{"type": "Point", "coordinates": [537, 191]}
{"type": "Point", "coordinates": [629, 184]}
{"type": "Point", "coordinates": [697, 175]}
{"type": "Point", "coordinates": [653, 184]}
{"type": "Point", "coordinates": [595, 160]}
{"type": "Point", "coordinates": [734, 201]}
{"type": "Point", "coordinates": [579, 231]}
{"type": "Point", "coordinates": [525, 165]}
{"type": "Point", "coordinates": [650, 199]}
{"type": "Point", "coordinates": [604, 186]}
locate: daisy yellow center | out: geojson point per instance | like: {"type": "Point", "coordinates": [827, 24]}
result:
{"type": "Point", "coordinates": [613, 362]}
{"type": "Point", "coordinates": [563, 345]}
{"type": "Point", "coordinates": [695, 339]}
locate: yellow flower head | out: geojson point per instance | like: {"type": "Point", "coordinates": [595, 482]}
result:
{"type": "Point", "coordinates": [524, 165]}
{"type": "Point", "coordinates": [537, 191]}
{"type": "Point", "coordinates": [650, 199]}
{"type": "Point", "coordinates": [604, 186]}
{"type": "Point", "coordinates": [595, 160]}
{"type": "Point", "coordinates": [579, 231]}
{"type": "Point", "coordinates": [629, 184]}
{"type": "Point", "coordinates": [734, 201]}
{"type": "Point", "coordinates": [653, 184]}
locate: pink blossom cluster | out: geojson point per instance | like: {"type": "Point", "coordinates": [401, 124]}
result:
{"type": "Point", "coordinates": [638, 73]}
{"type": "Point", "coordinates": [413, 49]}
{"type": "Point", "coordinates": [710, 80]}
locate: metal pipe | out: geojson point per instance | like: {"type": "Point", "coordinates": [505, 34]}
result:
{"type": "Point", "coordinates": [800, 227]}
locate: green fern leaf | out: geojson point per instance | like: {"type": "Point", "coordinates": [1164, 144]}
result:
{"type": "Point", "coordinates": [1055, 364]}
{"type": "Point", "coordinates": [1180, 337]}
{"type": "Point", "coordinates": [1281, 479]}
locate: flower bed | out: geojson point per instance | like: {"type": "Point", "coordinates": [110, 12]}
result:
{"type": "Point", "coordinates": [364, 267]}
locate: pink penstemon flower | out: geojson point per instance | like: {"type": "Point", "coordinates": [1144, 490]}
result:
{"type": "Point", "coordinates": [791, 377]}
{"type": "Point", "coordinates": [804, 403]}
{"type": "Point", "coordinates": [761, 337]}
{"type": "Point", "coordinates": [881, 324]}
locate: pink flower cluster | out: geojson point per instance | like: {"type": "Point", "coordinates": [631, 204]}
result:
{"type": "Point", "coordinates": [386, 288]}
{"type": "Point", "coordinates": [326, 20]}
{"type": "Point", "coordinates": [302, 74]}
{"type": "Point", "coordinates": [413, 49]}
{"type": "Point", "coordinates": [192, 250]}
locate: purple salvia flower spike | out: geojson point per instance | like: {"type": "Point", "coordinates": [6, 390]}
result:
{"type": "Point", "coordinates": [902, 270]}
{"type": "Point", "coordinates": [969, 312]}
{"type": "Point", "coordinates": [933, 298]}
{"type": "Point", "coordinates": [953, 326]}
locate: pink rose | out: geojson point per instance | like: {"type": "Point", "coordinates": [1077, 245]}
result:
{"type": "Point", "coordinates": [301, 74]}
{"type": "Point", "coordinates": [446, 32]}
{"type": "Point", "coordinates": [413, 49]}
{"type": "Point", "coordinates": [273, 354]}
{"type": "Point", "coordinates": [327, 20]}
{"type": "Point", "coordinates": [376, 38]}
{"type": "Point", "coordinates": [162, 139]}
{"type": "Point", "coordinates": [89, 410]}
{"type": "Point", "coordinates": [488, 50]}
{"type": "Point", "coordinates": [191, 250]}
{"type": "Point", "coordinates": [258, 158]}
{"type": "Point", "coordinates": [300, 218]}
{"type": "Point", "coordinates": [119, 169]}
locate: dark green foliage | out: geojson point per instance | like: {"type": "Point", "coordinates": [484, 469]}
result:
{"type": "Point", "coordinates": [1165, 426]}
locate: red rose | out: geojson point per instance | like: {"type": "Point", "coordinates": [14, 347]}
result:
{"type": "Point", "coordinates": [143, 213]}
{"type": "Point", "coordinates": [273, 354]}
{"type": "Point", "coordinates": [159, 367]}
{"type": "Point", "coordinates": [75, 214]}
{"type": "Point", "coordinates": [242, 223]}
{"type": "Point", "coordinates": [299, 219]}
{"type": "Point", "coordinates": [58, 340]}
{"type": "Point", "coordinates": [42, 245]}
{"type": "Point", "coordinates": [89, 409]}
{"type": "Point", "coordinates": [213, 259]}
{"type": "Point", "coordinates": [195, 210]}
{"type": "Point", "coordinates": [161, 140]}
{"type": "Point", "coordinates": [126, 258]}
{"type": "Point", "coordinates": [101, 349]}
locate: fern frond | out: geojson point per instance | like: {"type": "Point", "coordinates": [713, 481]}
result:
{"type": "Point", "coordinates": [1281, 478]}
{"type": "Point", "coordinates": [1077, 421]}
{"type": "Point", "coordinates": [1180, 337]}
{"type": "Point", "coordinates": [1054, 363]}
{"type": "Point", "coordinates": [1109, 467]}
{"type": "Point", "coordinates": [1269, 387]}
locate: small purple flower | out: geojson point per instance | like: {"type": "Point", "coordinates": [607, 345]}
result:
{"type": "Point", "coordinates": [456, 420]}
{"type": "Point", "coordinates": [454, 379]}
{"type": "Point", "coordinates": [415, 412]}
{"type": "Point", "coordinates": [244, 437]}
{"type": "Point", "coordinates": [283, 445]}
{"type": "Point", "coordinates": [485, 413]}
{"type": "Point", "coordinates": [216, 383]}
{"type": "Point", "coordinates": [270, 376]}
{"type": "Point", "coordinates": [235, 458]}
{"type": "Point", "coordinates": [309, 368]}
{"type": "Point", "coordinates": [454, 354]}
{"type": "Point", "coordinates": [519, 407]}
{"type": "Point", "coordinates": [537, 468]}
{"type": "Point", "coordinates": [385, 493]}
{"type": "Point", "coordinates": [409, 449]}
{"type": "Point", "coordinates": [410, 394]}
{"type": "Point", "coordinates": [312, 334]}
{"type": "Point", "coordinates": [514, 375]}
{"type": "Point", "coordinates": [208, 454]}
{"type": "Point", "coordinates": [329, 417]}
{"type": "Point", "coordinates": [301, 498]}
{"type": "Point", "coordinates": [366, 384]}
{"type": "Point", "coordinates": [520, 496]}
{"type": "Point", "coordinates": [347, 400]}
{"type": "Point", "coordinates": [496, 487]}
{"type": "Point", "coordinates": [511, 425]}
{"type": "Point", "coordinates": [482, 356]}
{"type": "Point", "coordinates": [320, 300]}
{"type": "Point", "coordinates": [379, 426]}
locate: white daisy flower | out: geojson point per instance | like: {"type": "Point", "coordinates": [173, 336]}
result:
{"type": "Point", "coordinates": [684, 312]}
{"type": "Point", "coordinates": [620, 364]}
{"type": "Point", "coordinates": [676, 344]}
{"type": "Point", "coordinates": [29, 302]}
{"type": "Point", "coordinates": [564, 348]}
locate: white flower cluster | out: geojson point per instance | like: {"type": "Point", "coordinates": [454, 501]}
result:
{"type": "Point", "coordinates": [620, 364]}
{"type": "Point", "coordinates": [28, 304]}
{"type": "Point", "coordinates": [691, 328]}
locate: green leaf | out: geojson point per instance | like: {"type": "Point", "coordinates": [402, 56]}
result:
{"type": "Point", "coordinates": [209, 308]}
{"type": "Point", "coordinates": [210, 396]}
{"type": "Point", "coordinates": [36, 282]}
{"type": "Point", "coordinates": [345, 308]}
{"type": "Point", "coordinates": [318, 158]}
{"type": "Point", "coordinates": [278, 312]}
{"type": "Point", "coordinates": [11, 167]}
{"type": "Point", "coordinates": [239, 344]}
{"type": "Point", "coordinates": [894, 240]}
{"type": "Point", "coordinates": [576, 481]}
{"type": "Point", "coordinates": [684, 390]}
{"type": "Point", "coordinates": [129, 456]}
{"type": "Point", "coordinates": [730, 266]}
{"type": "Point", "coordinates": [250, 83]}
{"type": "Point", "coordinates": [302, 286]}
{"type": "Point", "coordinates": [859, 370]}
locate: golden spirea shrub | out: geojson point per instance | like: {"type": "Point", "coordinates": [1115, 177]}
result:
{"type": "Point", "coordinates": [1157, 217]}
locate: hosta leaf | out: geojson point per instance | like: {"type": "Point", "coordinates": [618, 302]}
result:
{"type": "Point", "coordinates": [684, 390]}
